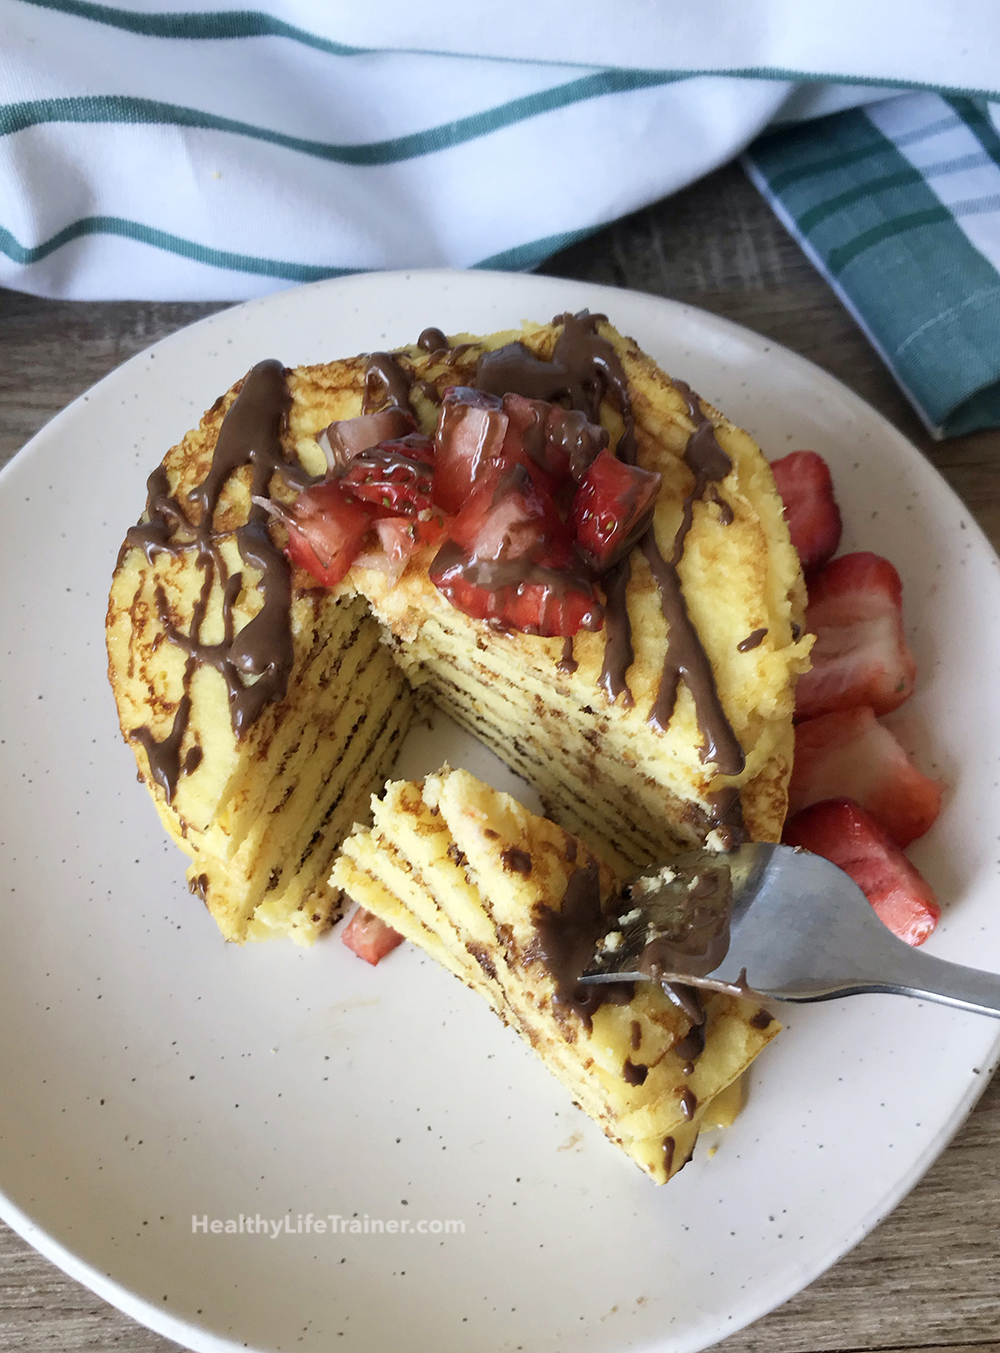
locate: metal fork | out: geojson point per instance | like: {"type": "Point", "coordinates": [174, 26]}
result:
{"type": "Point", "coordinates": [800, 930]}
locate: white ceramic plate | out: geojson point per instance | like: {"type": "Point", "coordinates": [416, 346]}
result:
{"type": "Point", "coordinates": [150, 1074]}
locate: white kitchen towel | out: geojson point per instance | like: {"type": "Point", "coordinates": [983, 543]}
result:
{"type": "Point", "coordinates": [166, 149]}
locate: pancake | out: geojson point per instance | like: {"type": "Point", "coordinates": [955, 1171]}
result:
{"type": "Point", "coordinates": [264, 711]}
{"type": "Point", "coordinates": [475, 880]}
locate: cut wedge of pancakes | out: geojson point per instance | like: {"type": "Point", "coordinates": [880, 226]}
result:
{"type": "Point", "coordinates": [479, 883]}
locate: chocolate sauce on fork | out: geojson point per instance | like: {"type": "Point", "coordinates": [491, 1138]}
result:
{"type": "Point", "coordinates": [565, 942]}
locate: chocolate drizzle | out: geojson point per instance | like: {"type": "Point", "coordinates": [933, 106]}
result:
{"type": "Point", "coordinates": [692, 1045]}
{"type": "Point", "coordinates": [584, 369]}
{"type": "Point", "coordinates": [432, 340]}
{"type": "Point", "coordinates": [751, 641]}
{"type": "Point", "coordinates": [565, 945]}
{"type": "Point", "coordinates": [727, 816]}
{"type": "Point", "coordinates": [517, 861]}
{"type": "Point", "coordinates": [686, 658]}
{"type": "Point", "coordinates": [634, 1073]}
{"type": "Point", "coordinates": [668, 1155]}
{"type": "Point", "coordinates": [164, 513]}
{"type": "Point", "coordinates": [705, 459]}
{"type": "Point", "coordinates": [165, 757]}
{"type": "Point", "coordinates": [726, 514]}
{"type": "Point", "coordinates": [452, 563]}
{"type": "Point", "coordinates": [619, 654]}
{"type": "Point", "coordinates": [567, 663]}
{"type": "Point", "coordinates": [387, 385]}
{"type": "Point", "coordinates": [256, 662]}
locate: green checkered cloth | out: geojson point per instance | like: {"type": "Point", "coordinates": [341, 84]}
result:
{"type": "Point", "coordinates": [898, 206]}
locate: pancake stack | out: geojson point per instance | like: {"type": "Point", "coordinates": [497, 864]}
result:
{"type": "Point", "coordinates": [264, 711]}
{"type": "Point", "coordinates": [474, 879]}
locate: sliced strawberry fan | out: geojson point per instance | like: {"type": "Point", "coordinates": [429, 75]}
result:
{"type": "Point", "coordinates": [854, 797]}
{"type": "Point", "coordinates": [805, 486]}
{"type": "Point", "coordinates": [850, 754]}
{"type": "Point", "coordinates": [860, 656]}
{"type": "Point", "coordinates": [841, 831]}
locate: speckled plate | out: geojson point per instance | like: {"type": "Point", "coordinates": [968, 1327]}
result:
{"type": "Point", "coordinates": [156, 1082]}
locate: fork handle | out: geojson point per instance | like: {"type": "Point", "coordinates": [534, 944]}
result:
{"type": "Point", "coordinates": [913, 973]}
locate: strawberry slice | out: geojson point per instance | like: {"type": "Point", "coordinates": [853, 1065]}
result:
{"type": "Point", "coordinates": [848, 754]}
{"type": "Point", "coordinates": [841, 831]}
{"type": "Point", "coordinates": [806, 489]}
{"type": "Point", "coordinates": [368, 936]}
{"type": "Point", "coordinates": [612, 508]}
{"type": "Point", "coordinates": [325, 531]}
{"type": "Point", "coordinates": [511, 560]}
{"type": "Point", "coordinates": [394, 479]}
{"type": "Point", "coordinates": [471, 429]}
{"type": "Point", "coordinates": [860, 656]}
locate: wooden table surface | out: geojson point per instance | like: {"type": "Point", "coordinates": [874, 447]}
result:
{"type": "Point", "coordinates": [929, 1276]}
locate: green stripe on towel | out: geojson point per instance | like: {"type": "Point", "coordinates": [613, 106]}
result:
{"type": "Point", "coordinates": [870, 221]}
{"type": "Point", "coordinates": [128, 110]}
{"type": "Point", "coordinates": [173, 244]}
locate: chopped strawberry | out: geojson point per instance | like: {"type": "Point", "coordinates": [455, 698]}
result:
{"type": "Point", "coordinates": [325, 531]}
{"type": "Point", "coordinates": [526, 443]}
{"type": "Point", "coordinates": [806, 489]}
{"type": "Point", "coordinates": [841, 831]}
{"type": "Point", "coordinates": [402, 536]}
{"type": "Point", "coordinates": [860, 656]}
{"type": "Point", "coordinates": [848, 754]}
{"type": "Point", "coordinates": [552, 601]}
{"type": "Point", "coordinates": [395, 478]}
{"type": "Point", "coordinates": [611, 509]}
{"type": "Point", "coordinates": [342, 440]}
{"type": "Point", "coordinates": [470, 432]}
{"type": "Point", "coordinates": [508, 515]}
{"type": "Point", "coordinates": [511, 560]}
{"type": "Point", "coordinates": [478, 433]}
{"type": "Point", "coordinates": [369, 937]}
